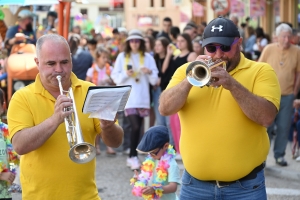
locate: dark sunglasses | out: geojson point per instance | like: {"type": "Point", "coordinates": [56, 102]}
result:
{"type": "Point", "coordinates": [155, 154]}
{"type": "Point", "coordinates": [224, 48]}
{"type": "Point", "coordinates": [135, 41]}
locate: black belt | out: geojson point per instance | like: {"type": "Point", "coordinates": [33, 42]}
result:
{"type": "Point", "coordinates": [250, 176]}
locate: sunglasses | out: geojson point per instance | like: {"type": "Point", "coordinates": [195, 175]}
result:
{"type": "Point", "coordinates": [155, 154]}
{"type": "Point", "coordinates": [223, 48]}
{"type": "Point", "coordinates": [135, 41]}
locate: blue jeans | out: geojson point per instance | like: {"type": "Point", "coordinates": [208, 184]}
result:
{"type": "Point", "coordinates": [194, 189]}
{"type": "Point", "coordinates": [159, 119]}
{"type": "Point", "coordinates": [281, 125]}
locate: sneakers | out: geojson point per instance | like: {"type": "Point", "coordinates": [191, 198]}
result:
{"type": "Point", "coordinates": [281, 161]}
{"type": "Point", "coordinates": [298, 159]}
{"type": "Point", "coordinates": [127, 151]}
{"type": "Point", "coordinates": [133, 163]}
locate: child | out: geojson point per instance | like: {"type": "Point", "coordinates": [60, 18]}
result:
{"type": "Point", "coordinates": [99, 74]}
{"type": "Point", "coordinates": [160, 173]}
{"type": "Point", "coordinates": [8, 158]}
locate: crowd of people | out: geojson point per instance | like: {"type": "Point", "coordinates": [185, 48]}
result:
{"type": "Point", "coordinates": [256, 95]}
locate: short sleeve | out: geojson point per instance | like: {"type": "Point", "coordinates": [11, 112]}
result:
{"type": "Point", "coordinates": [174, 172]}
{"type": "Point", "coordinates": [267, 85]}
{"type": "Point", "coordinates": [24, 119]}
{"type": "Point", "coordinates": [89, 72]}
{"type": "Point", "coordinates": [178, 76]}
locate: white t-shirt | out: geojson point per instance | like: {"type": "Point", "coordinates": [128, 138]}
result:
{"type": "Point", "coordinates": [139, 96]}
{"type": "Point", "coordinates": [263, 43]}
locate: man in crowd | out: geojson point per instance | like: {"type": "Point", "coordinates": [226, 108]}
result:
{"type": "Point", "coordinates": [167, 24]}
{"type": "Point", "coordinates": [24, 26]}
{"type": "Point", "coordinates": [191, 30]}
{"type": "Point", "coordinates": [285, 59]}
{"type": "Point", "coordinates": [224, 143]}
{"type": "Point", "coordinates": [37, 130]}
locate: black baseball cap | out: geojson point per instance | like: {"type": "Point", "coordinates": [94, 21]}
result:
{"type": "Point", "coordinates": [155, 137]}
{"type": "Point", "coordinates": [221, 31]}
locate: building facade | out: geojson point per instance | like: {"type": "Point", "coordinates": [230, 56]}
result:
{"type": "Point", "coordinates": [144, 14]}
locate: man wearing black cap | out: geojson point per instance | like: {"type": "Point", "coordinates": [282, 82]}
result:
{"type": "Point", "coordinates": [224, 143]}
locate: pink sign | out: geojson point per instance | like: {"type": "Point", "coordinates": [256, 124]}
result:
{"type": "Point", "coordinates": [197, 9]}
{"type": "Point", "coordinates": [257, 8]}
{"type": "Point", "coordinates": [237, 7]}
{"type": "Point", "coordinates": [184, 17]}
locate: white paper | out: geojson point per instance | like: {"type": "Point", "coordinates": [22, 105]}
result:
{"type": "Point", "coordinates": [104, 103]}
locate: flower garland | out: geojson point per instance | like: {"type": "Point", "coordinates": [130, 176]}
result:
{"type": "Point", "coordinates": [13, 158]}
{"type": "Point", "coordinates": [147, 171]}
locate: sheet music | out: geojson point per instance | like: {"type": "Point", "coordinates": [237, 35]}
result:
{"type": "Point", "coordinates": [105, 102]}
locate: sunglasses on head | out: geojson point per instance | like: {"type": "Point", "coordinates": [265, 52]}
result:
{"type": "Point", "coordinates": [223, 48]}
{"type": "Point", "coordinates": [135, 41]}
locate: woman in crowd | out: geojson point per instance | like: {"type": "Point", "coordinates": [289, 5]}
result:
{"type": "Point", "coordinates": [197, 46]}
{"type": "Point", "coordinates": [261, 42]}
{"type": "Point", "coordinates": [137, 68]}
{"type": "Point", "coordinates": [81, 59]}
{"type": "Point", "coordinates": [149, 42]}
{"type": "Point", "coordinates": [170, 65]}
{"type": "Point", "coordinates": [160, 49]}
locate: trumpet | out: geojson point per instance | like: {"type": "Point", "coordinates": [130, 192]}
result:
{"type": "Point", "coordinates": [80, 151]}
{"type": "Point", "coordinates": [199, 72]}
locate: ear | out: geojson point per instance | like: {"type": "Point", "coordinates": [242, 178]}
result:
{"type": "Point", "coordinates": [36, 60]}
{"type": "Point", "coordinates": [166, 145]}
{"type": "Point", "coordinates": [240, 41]}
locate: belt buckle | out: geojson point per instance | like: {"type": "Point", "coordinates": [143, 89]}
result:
{"type": "Point", "coordinates": [220, 186]}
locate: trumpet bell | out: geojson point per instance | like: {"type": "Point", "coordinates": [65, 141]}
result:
{"type": "Point", "coordinates": [198, 74]}
{"type": "Point", "coordinates": [82, 153]}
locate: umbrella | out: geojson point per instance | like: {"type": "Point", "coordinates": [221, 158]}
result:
{"type": "Point", "coordinates": [28, 2]}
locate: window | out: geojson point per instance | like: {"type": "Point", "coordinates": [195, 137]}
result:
{"type": "Point", "coordinates": [133, 3]}
{"type": "Point", "coordinates": [152, 3]}
{"type": "Point", "coordinates": [162, 4]}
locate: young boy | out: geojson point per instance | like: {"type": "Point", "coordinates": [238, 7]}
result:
{"type": "Point", "coordinates": [160, 173]}
{"type": "Point", "coordinates": [7, 156]}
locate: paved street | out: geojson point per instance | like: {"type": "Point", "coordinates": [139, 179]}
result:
{"type": "Point", "coordinates": [113, 181]}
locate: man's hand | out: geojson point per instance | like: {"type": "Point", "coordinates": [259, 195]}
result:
{"type": "Point", "coordinates": [62, 103]}
{"type": "Point", "coordinates": [148, 190]}
{"type": "Point", "coordinates": [7, 176]}
{"type": "Point", "coordinates": [220, 77]}
{"type": "Point", "coordinates": [296, 103]}
{"type": "Point", "coordinates": [105, 124]}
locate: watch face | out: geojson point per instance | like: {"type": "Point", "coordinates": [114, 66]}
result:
{"type": "Point", "coordinates": [220, 6]}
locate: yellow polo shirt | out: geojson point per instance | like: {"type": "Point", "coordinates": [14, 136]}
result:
{"type": "Point", "coordinates": [48, 173]}
{"type": "Point", "coordinates": [218, 141]}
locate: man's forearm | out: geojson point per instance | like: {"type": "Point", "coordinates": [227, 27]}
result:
{"type": "Point", "coordinates": [173, 99]}
{"type": "Point", "coordinates": [30, 139]}
{"type": "Point", "coordinates": [112, 136]}
{"type": "Point", "coordinates": [254, 107]}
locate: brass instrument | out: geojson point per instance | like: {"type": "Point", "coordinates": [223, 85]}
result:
{"type": "Point", "coordinates": [199, 72]}
{"type": "Point", "coordinates": [80, 151]}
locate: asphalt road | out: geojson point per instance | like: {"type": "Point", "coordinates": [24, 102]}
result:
{"type": "Point", "coordinates": [112, 178]}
